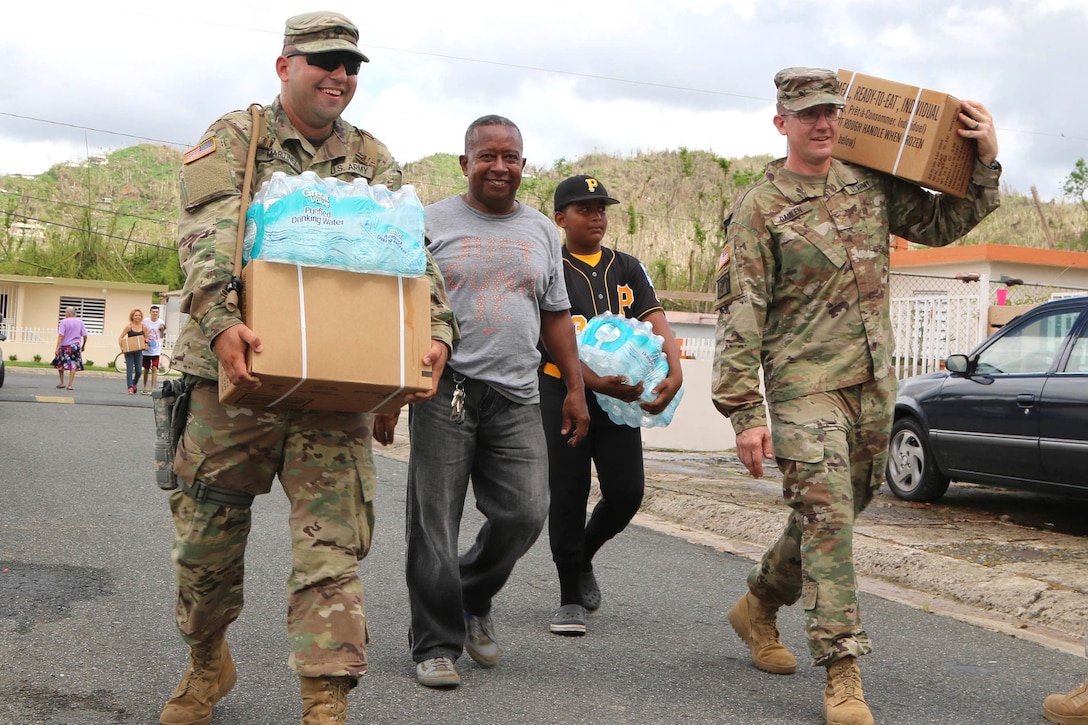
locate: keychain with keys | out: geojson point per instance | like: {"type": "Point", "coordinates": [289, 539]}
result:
{"type": "Point", "coordinates": [457, 403]}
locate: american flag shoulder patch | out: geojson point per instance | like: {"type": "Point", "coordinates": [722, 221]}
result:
{"type": "Point", "coordinates": [199, 152]}
{"type": "Point", "coordinates": [723, 258]}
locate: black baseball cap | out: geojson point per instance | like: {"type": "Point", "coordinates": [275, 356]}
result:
{"type": "Point", "coordinates": [580, 188]}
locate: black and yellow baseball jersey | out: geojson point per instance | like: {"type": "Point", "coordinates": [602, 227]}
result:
{"type": "Point", "coordinates": [617, 283]}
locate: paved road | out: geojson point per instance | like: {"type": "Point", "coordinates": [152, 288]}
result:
{"type": "Point", "coordinates": [86, 632]}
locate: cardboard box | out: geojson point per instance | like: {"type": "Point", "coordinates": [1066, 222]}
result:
{"type": "Point", "coordinates": [1001, 315]}
{"type": "Point", "coordinates": [907, 131]}
{"type": "Point", "coordinates": [333, 340]}
{"type": "Point", "coordinates": [133, 344]}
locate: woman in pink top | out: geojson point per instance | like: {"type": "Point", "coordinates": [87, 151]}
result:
{"type": "Point", "coordinates": [71, 339]}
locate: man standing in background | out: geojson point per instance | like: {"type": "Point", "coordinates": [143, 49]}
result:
{"type": "Point", "coordinates": [154, 331]}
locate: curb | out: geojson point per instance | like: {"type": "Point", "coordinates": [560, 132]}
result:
{"type": "Point", "coordinates": [1011, 603]}
{"type": "Point", "coordinates": [1015, 604]}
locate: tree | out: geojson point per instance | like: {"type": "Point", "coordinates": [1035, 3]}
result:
{"type": "Point", "coordinates": [1076, 184]}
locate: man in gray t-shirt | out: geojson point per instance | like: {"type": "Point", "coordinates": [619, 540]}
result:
{"type": "Point", "coordinates": [502, 265]}
{"type": "Point", "coordinates": [501, 270]}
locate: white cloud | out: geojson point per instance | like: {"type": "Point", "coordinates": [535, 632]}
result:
{"type": "Point", "coordinates": [609, 77]}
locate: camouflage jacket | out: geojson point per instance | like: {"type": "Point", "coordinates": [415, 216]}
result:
{"type": "Point", "coordinates": [803, 278]}
{"type": "Point", "coordinates": [211, 182]}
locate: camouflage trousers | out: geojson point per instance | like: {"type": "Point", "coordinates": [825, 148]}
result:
{"type": "Point", "coordinates": [324, 464]}
{"type": "Point", "coordinates": [831, 448]}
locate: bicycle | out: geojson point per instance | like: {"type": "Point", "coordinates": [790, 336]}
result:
{"type": "Point", "coordinates": [164, 363]}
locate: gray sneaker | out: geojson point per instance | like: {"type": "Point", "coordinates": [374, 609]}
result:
{"type": "Point", "coordinates": [569, 620]}
{"type": "Point", "coordinates": [591, 593]}
{"type": "Point", "coordinates": [437, 672]}
{"type": "Point", "coordinates": [480, 640]}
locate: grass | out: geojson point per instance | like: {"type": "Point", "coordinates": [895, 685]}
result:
{"type": "Point", "coordinates": [93, 368]}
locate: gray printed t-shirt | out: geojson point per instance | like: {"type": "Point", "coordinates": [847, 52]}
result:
{"type": "Point", "coordinates": [500, 272]}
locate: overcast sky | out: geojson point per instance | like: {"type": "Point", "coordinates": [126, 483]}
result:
{"type": "Point", "coordinates": [577, 77]}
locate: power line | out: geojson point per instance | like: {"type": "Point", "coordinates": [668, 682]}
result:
{"type": "Point", "coordinates": [93, 231]}
{"type": "Point", "coordinates": [573, 74]}
{"type": "Point", "coordinates": [89, 208]}
{"type": "Point", "coordinates": [182, 144]}
{"type": "Point", "coordinates": [89, 128]}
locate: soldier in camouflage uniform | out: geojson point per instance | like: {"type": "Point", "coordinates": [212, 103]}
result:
{"type": "Point", "coordinates": [802, 293]}
{"type": "Point", "coordinates": [228, 454]}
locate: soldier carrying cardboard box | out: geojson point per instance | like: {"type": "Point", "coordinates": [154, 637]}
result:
{"type": "Point", "coordinates": [229, 453]}
{"type": "Point", "coordinates": [802, 292]}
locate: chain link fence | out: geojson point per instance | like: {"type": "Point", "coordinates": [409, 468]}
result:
{"type": "Point", "coordinates": [934, 317]}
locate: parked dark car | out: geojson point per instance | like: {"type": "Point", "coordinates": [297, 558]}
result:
{"type": "Point", "coordinates": [2, 338]}
{"type": "Point", "coordinates": [1013, 413]}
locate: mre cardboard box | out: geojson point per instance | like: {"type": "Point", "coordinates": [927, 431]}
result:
{"type": "Point", "coordinates": [332, 339]}
{"type": "Point", "coordinates": [134, 343]}
{"type": "Point", "coordinates": [907, 131]}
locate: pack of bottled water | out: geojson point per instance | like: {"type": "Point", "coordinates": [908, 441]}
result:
{"type": "Point", "coordinates": [354, 226]}
{"type": "Point", "coordinates": [611, 344]}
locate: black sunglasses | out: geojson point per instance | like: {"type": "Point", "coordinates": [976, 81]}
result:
{"type": "Point", "coordinates": [331, 61]}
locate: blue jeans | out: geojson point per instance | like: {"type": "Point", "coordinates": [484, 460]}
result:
{"type": "Point", "coordinates": [134, 363]}
{"type": "Point", "coordinates": [501, 446]}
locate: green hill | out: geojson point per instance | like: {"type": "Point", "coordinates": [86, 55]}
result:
{"type": "Point", "coordinates": [110, 218]}
{"type": "Point", "coordinates": [114, 218]}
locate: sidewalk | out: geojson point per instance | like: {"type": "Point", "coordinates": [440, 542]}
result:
{"type": "Point", "coordinates": [1026, 583]}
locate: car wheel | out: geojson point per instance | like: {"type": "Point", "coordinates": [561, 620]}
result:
{"type": "Point", "coordinates": [912, 472]}
{"type": "Point", "coordinates": [1, 374]}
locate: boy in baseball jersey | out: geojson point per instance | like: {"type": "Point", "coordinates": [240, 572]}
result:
{"type": "Point", "coordinates": [598, 280]}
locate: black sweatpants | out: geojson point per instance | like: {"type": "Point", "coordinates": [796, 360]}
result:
{"type": "Point", "coordinates": [616, 452]}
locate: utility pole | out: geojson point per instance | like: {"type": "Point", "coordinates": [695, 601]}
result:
{"type": "Point", "coordinates": [1042, 218]}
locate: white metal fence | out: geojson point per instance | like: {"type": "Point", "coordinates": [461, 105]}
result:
{"type": "Point", "coordinates": [928, 329]}
{"type": "Point", "coordinates": [932, 317]}
{"type": "Point", "coordinates": [29, 334]}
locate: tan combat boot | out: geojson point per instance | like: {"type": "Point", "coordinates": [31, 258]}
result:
{"type": "Point", "coordinates": [209, 676]}
{"type": "Point", "coordinates": [1068, 709]}
{"type": "Point", "coordinates": [325, 700]}
{"type": "Point", "coordinates": [844, 702]}
{"type": "Point", "coordinates": [754, 622]}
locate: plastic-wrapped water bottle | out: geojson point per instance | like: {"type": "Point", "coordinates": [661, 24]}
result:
{"type": "Point", "coordinates": [615, 345]}
{"type": "Point", "coordinates": [318, 222]}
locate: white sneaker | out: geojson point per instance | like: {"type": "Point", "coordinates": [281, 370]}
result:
{"type": "Point", "coordinates": [480, 640]}
{"type": "Point", "coordinates": [437, 672]}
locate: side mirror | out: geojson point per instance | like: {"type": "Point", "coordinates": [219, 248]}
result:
{"type": "Point", "coordinates": [956, 364]}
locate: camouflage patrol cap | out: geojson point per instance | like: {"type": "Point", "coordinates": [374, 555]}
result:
{"type": "Point", "coordinates": [801, 88]}
{"type": "Point", "coordinates": [321, 32]}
